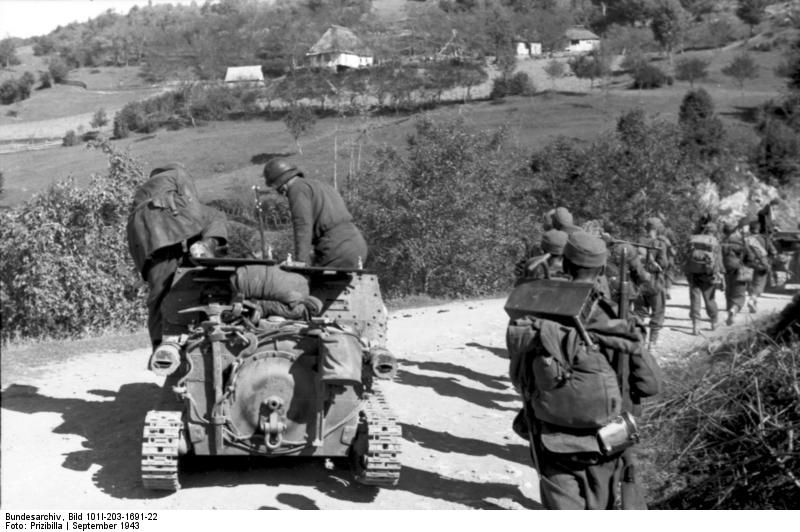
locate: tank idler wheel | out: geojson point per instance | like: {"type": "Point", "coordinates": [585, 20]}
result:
{"type": "Point", "coordinates": [160, 441]}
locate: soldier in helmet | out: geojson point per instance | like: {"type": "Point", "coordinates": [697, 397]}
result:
{"type": "Point", "coordinates": [324, 234]}
{"type": "Point", "coordinates": [167, 224]}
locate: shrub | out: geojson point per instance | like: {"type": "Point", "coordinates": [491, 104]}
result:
{"type": "Point", "coordinates": [99, 119]}
{"type": "Point", "coordinates": [58, 69]}
{"type": "Point", "coordinates": [650, 77]}
{"type": "Point", "coordinates": [300, 121]}
{"type": "Point", "coordinates": [65, 269]}
{"type": "Point", "coordinates": [446, 216]}
{"type": "Point", "coordinates": [70, 139]}
{"type": "Point", "coordinates": [691, 69]}
{"type": "Point", "coordinates": [519, 84]}
{"type": "Point", "coordinates": [703, 132]}
{"type": "Point", "coordinates": [741, 68]}
{"type": "Point", "coordinates": [9, 91]}
{"type": "Point", "coordinates": [45, 81]}
{"type": "Point", "coordinates": [499, 88]}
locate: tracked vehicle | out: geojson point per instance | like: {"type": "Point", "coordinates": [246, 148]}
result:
{"type": "Point", "coordinates": [242, 383]}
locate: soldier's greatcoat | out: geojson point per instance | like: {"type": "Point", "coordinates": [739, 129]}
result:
{"type": "Point", "coordinates": [324, 234]}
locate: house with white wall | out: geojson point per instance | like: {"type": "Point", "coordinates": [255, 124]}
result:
{"type": "Point", "coordinates": [244, 74]}
{"type": "Point", "coordinates": [339, 48]}
{"type": "Point", "coordinates": [580, 40]}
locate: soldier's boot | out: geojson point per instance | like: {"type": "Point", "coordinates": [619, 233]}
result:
{"type": "Point", "coordinates": [714, 323]}
{"type": "Point", "coordinates": [752, 304]}
{"type": "Point", "coordinates": [694, 327]}
{"type": "Point", "coordinates": [732, 314]}
{"type": "Point", "coordinates": [653, 341]}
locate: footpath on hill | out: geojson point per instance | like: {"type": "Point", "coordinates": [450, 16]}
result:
{"type": "Point", "coordinates": [72, 429]}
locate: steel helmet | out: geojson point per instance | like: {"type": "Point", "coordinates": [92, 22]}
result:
{"type": "Point", "coordinates": [278, 172]}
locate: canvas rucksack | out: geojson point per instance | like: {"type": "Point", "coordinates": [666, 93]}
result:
{"type": "Point", "coordinates": [760, 256]}
{"type": "Point", "coordinates": [565, 382]}
{"type": "Point", "coordinates": [702, 253]}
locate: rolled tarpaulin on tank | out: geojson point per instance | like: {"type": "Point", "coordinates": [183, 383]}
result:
{"type": "Point", "coordinates": [341, 357]}
{"type": "Point", "coordinates": [256, 281]}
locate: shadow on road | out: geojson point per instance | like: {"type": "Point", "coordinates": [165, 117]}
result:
{"type": "Point", "coordinates": [449, 387]}
{"type": "Point", "coordinates": [448, 443]}
{"type": "Point", "coordinates": [490, 381]}
{"type": "Point", "coordinates": [498, 351]}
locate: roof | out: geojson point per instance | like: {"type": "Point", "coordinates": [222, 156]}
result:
{"type": "Point", "coordinates": [530, 36]}
{"type": "Point", "coordinates": [579, 33]}
{"type": "Point", "coordinates": [244, 73]}
{"type": "Point", "coordinates": [339, 39]}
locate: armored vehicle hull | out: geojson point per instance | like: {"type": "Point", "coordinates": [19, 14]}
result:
{"type": "Point", "coordinates": [241, 383]}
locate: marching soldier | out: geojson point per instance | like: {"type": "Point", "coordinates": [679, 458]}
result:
{"type": "Point", "coordinates": [652, 295]}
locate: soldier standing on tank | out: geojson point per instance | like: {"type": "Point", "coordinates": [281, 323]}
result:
{"type": "Point", "coordinates": [166, 225]}
{"type": "Point", "coordinates": [574, 473]}
{"type": "Point", "coordinates": [652, 294]}
{"type": "Point", "coordinates": [324, 233]}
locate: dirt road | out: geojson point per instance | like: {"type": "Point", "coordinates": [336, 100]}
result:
{"type": "Point", "coordinates": [71, 432]}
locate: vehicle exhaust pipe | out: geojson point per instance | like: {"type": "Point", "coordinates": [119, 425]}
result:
{"type": "Point", "coordinates": [383, 363]}
{"type": "Point", "coordinates": [166, 359]}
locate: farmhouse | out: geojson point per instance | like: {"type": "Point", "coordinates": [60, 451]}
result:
{"type": "Point", "coordinates": [527, 46]}
{"type": "Point", "coordinates": [244, 74]}
{"type": "Point", "coordinates": [581, 40]}
{"type": "Point", "coordinates": [339, 48]}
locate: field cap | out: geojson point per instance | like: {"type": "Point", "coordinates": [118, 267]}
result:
{"type": "Point", "coordinates": [553, 242]}
{"type": "Point", "coordinates": [728, 228]}
{"type": "Point", "coordinates": [562, 218]}
{"type": "Point", "coordinates": [653, 223]}
{"type": "Point", "coordinates": [585, 250]}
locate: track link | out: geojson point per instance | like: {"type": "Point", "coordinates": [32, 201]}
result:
{"type": "Point", "coordinates": [380, 466]}
{"type": "Point", "coordinates": [162, 432]}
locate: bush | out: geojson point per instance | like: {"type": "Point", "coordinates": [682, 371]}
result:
{"type": "Point", "coordinates": [722, 433]}
{"type": "Point", "coordinates": [45, 81]}
{"type": "Point", "coordinates": [99, 119]}
{"type": "Point", "coordinates": [650, 77]}
{"type": "Point", "coordinates": [703, 132]}
{"type": "Point", "coordinates": [70, 139]}
{"type": "Point", "coordinates": [65, 269]}
{"type": "Point", "coordinates": [519, 84]}
{"type": "Point", "coordinates": [58, 70]}
{"type": "Point", "coordinates": [9, 92]}
{"type": "Point", "coordinates": [446, 216]}
{"type": "Point", "coordinates": [691, 69]}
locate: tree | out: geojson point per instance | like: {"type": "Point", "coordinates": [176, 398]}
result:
{"type": "Point", "coordinates": [751, 12]}
{"type": "Point", "coordinates": [702, 131]}
{"type": "Point", "coordinates": [669, 23]}
{"type": "Point", "coordinates": [691, 69]}
{"type": "Point", "coordinates": [58, 69]}
{"type": "Point", "coordinates": [741, 68]}
{"type": "Point", "coordinates": [300, 121]}
{"type": "Point", "coordinates": [99, 119]}
{"type": "Point", "coordinates": [8, 52]}
{"type": "Point", "coordinates": [589, 66]}
{"type": "Point", "coordinates": [554, 70]}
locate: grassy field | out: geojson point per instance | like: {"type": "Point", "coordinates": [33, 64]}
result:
{"type": "Point", "coordinates": [225, 155]}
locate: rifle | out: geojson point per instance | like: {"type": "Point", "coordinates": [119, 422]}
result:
{"type": "Point", "coordinates": [631, 498]}
{"type": "Point", "coordinates": [645, 246]}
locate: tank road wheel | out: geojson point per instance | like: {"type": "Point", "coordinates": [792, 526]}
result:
{"type": "Point", "coordinates": [162, 433]}
{"type": "Point", "coordinates": [375, 449]}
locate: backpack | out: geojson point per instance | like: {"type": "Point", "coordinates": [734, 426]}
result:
{"type": "Point", "coordinates": [565, 382]}
{"type": "Point", "coordinates": [761, 261]}
{"type": "Point", "coordinates": [701, 256]}
{"type": "Point", "coordinates": [732, 256]}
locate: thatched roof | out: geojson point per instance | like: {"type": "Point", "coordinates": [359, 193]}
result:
{"type": "Point", "coordinates": [339, 39]}
{"type": "Point", "coordinates": [579, 33]}
{"type": "Point", "coordinates": [244, 73]}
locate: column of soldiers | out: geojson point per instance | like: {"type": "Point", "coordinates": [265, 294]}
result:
{"type": "Point", "coordinates": [565, 373]}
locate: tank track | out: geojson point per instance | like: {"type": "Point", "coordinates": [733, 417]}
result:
{"type": "Point", "coordinates": [381, 464]}
{"type": "Point", "coordinates": [162, 432]}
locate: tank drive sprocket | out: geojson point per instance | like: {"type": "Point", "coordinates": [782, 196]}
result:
{"type": "Point", "coordinates": [160, 448]}
{"type": "Point", "coordinates": [376, 448]}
